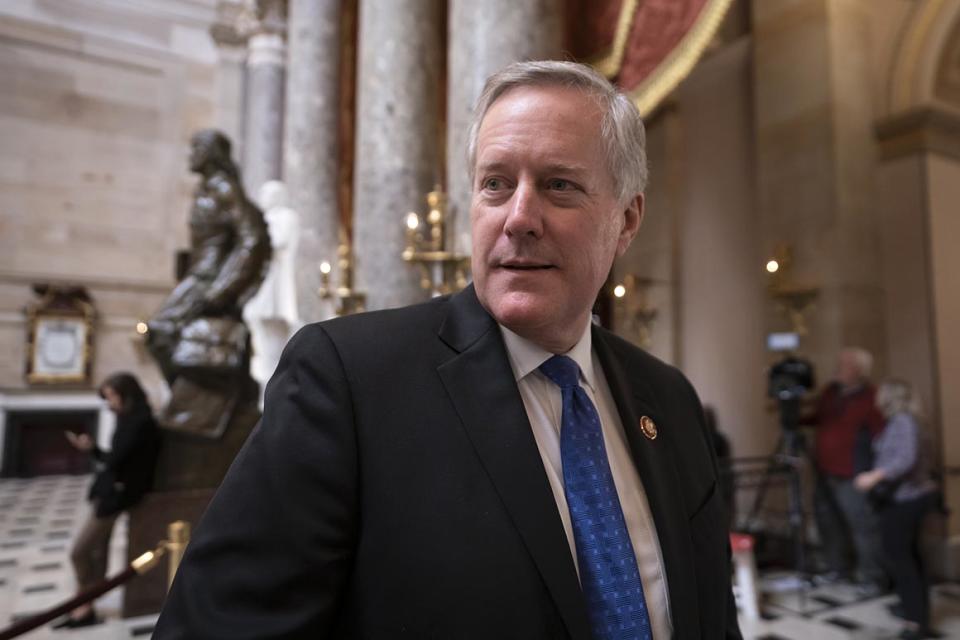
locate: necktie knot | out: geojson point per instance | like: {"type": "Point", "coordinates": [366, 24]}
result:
{"type": "Point", "coordinates": [563, 371]}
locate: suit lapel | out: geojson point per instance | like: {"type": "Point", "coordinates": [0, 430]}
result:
{"type": "Point", "coordinates": [483, 390]}
{"type": "Point", "coordinates": [657, 463]}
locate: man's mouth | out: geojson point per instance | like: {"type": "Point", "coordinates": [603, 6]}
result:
{"type": "Point", "coordinates": [526, 266]}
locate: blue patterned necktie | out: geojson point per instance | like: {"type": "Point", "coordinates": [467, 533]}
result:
{"type": "Point", "coordinates": [608, 567]}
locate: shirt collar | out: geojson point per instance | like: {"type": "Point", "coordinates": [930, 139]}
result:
{"type": "Point", "coordinates": [525, 356]}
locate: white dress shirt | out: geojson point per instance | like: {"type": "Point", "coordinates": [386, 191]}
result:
{"type": "Point", "coordinates": [544, 406]}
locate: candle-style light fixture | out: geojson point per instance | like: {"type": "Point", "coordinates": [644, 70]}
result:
{"type": "Point", "coordinates": [349, 300]}
{"type": "Point", "coordinates": [793, 299]}
{"type": "Point", "coordinates": [442, 270]}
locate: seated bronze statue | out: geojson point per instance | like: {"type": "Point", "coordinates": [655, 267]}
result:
{"type": "Point", "coordinates": [198, 337]}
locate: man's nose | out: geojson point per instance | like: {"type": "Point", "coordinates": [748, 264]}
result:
{"type": "Point", "coordinates": [525, 217]}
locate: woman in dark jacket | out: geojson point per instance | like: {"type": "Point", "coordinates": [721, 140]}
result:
{"type": "Point", "coordinates": [124, 474]}
{"type": "Point", "coordinates": [901, 487]}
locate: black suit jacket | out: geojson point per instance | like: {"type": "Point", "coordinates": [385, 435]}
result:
{"type": "Point", "coordinates": [394, 489]}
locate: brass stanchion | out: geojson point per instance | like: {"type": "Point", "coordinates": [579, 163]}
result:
{"type": "Point", "coordinates": [178, 536]}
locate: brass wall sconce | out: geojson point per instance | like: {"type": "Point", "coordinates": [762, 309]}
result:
{"type": "Point", "coordinates": [442, 271]}
{"type": "Point", "coordinates": [633, 308]}
{"type": "Point", "coordinates": [349, 300]}
{"type": "Point", "coordinates": [794, 300]}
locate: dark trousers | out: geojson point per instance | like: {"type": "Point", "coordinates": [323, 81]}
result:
{"type": "Point", "coordinates": [900, 525]}
{"type": "Point", "coordinates": [848, 529]}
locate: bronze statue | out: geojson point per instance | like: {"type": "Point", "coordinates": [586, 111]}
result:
{"type": "Point", "coordinates": [198, 336]}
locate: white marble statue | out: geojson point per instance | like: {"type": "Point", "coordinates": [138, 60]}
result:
{"type": "Point", "coordinates": [272, 313]}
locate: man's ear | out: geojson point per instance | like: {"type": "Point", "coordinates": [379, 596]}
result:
{"type": "Point", "coordinates": [632, 217]}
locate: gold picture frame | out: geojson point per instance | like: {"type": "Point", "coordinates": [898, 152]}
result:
{"type": "Point", "coordinates": [59, 340]}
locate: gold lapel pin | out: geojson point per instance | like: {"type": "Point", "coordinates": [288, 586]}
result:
{"type": "Point", "coordinates": [649, 427]}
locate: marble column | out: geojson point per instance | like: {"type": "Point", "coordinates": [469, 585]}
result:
{"type": "Point", "coordinates": [398, 140]}
{"type": "Point", "coordinates": [311, 142]}
{"type": "Point", "coordinates": [815, 167]}
{"type": "Point", "coordinates": [231, 73]}
{"type": "Point", "coordinates": [483, 38]}
{"type": "Point", "coordinates": [266, 58]}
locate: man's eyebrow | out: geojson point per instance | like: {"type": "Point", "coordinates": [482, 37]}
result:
{"type": "Point", "coordinates": [552, 168]}
{"type": "Point", "coordinates": [492, 166]}
{"type": "Point", "coordinates": [560, 167]}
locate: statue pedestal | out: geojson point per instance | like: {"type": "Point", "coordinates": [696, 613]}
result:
{"type": "Point", "coordinates": [189, 471]}
{"type": "Point", "coordinates": [202, 347]}
{"type": "Point", "coordinates": [189, 461]}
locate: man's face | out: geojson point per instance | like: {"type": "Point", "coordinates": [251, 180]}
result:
{"type": "Point", "coordinates": [848, 370]}
{"type": "Point", "coordinates": [546, 222]}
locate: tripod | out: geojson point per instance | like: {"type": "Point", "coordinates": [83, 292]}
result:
{"type": "Point", "coordinates": [787, 459]}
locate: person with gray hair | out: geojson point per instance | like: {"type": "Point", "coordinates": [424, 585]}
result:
{"type": "Point", "coordinates": [846, 420]}
{"type": "Point", "coordinates": [621, 127]}
{"type": "Point", "coordinates": [904, 493]}
{"type": "Point", "coordinates": [490, 464]}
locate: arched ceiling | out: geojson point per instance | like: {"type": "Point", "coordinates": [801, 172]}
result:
{"type": "Point", "coordinates": [947, 80]}
{"type": "Point", "coordinates": [646, 46]}
{"type": "Point", "coordinates": [926, 66]}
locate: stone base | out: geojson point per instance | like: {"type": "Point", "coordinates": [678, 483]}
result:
{"type": "Point", "coordinates": [190, 461]}
{"type": "Point", "coordinates": [148, 525]}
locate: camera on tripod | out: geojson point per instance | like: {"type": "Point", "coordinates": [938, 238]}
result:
{"type": "Point", "coordinates": [789, 379]}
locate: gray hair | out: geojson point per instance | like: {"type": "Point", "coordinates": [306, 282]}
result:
{"type": "Point", "coordinates": [863, 360]}
{"type": "Point", "coordinates": [896, 396]}
{"type": "Point", "coordinates": [621, 128]}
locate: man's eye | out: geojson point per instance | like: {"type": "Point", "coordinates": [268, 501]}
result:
{"type": "Point", "coordinates": [493, 184]}
{"type": "Point", "coordinates": [559, 184]}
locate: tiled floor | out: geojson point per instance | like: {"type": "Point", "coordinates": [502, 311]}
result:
{"type": "Point", "coordinates": [38, 521]}
{"type": "Point", "coordinates": [838, 612]}
{"type": "Point", "coordinates": [39, 517]}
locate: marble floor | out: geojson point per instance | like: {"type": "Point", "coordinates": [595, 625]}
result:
{"type": "Point", "coordinates": [39, 517]}
{"type": "Point", "coordinates": [839, 612]}
{"type": "Point", "coordinates": [38, 520]}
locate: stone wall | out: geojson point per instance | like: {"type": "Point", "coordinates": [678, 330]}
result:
{"type": "Point", "coordinates": [97, 104]}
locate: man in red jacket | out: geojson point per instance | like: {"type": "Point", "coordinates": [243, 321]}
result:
{"type": "Point", "coordinates": [846, 421]}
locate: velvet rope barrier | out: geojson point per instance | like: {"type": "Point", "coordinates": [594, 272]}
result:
{"type": "Point", "coordinates": [139, 566]}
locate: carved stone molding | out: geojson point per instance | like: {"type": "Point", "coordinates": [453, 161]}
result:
{"type": "Point", "coordinates": [263, 17]}
{"type": "Point", "coordinates": [225, 31]}
{"type": "Point", "coordinates": [947, 83]}
{"type": "Point", "coordinates": [928, 129]}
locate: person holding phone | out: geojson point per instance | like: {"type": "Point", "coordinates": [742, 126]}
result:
{"type": "Point", "coordinates": [124, 474]}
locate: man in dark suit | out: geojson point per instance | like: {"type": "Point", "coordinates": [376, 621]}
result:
{"type": "Point", "coordinates": [489, 465]}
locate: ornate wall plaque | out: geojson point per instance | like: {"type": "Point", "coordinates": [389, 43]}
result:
{"type": "Point", "coordinates": [60, 336]}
